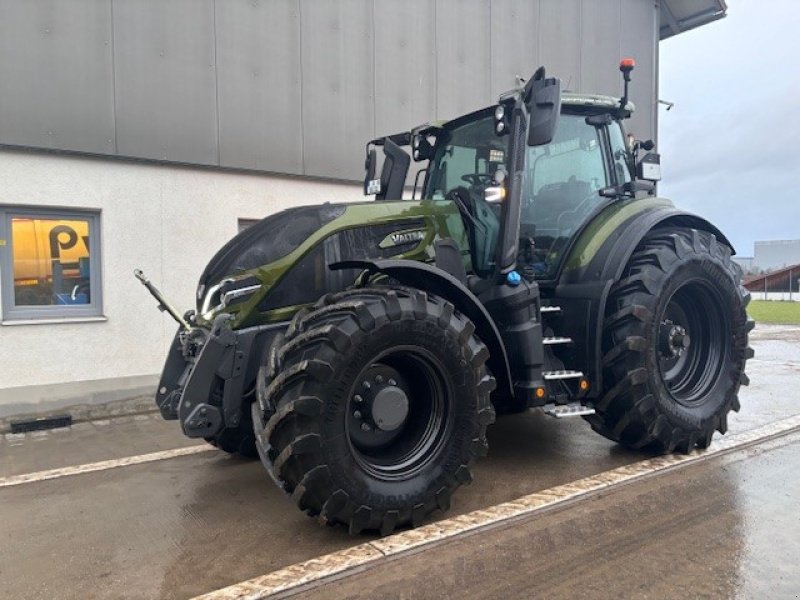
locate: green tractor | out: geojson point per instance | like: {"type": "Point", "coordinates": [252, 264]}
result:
{"type": "Point", "coordinates": [363, 349]}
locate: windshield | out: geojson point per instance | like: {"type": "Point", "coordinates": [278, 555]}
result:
{"type": "Point", "coordinates": [467, 156]}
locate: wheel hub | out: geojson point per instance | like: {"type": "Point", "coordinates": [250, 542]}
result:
{"type": "Point", "coordinates": [390, 408]}
{"type": "Point", "coordinates": [674, 340]}
{"type": "Point", "coordinates": [379, 407]}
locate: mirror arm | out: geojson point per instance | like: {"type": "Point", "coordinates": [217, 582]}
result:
{"type": "Point", "coordinates": [628, 190]}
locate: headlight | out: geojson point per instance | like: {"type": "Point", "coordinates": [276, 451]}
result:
{"type": "Point", "coordinates": [239, 294]}
{"type": "Point", "coordinates": [211, 302]}
{"type": "Point", "coordinates": [228, 292]}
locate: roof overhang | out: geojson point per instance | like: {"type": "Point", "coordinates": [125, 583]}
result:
{"type": "Point", "coordinates": [678, 16]}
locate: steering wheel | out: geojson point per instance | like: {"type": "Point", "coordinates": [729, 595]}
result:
{"type": "Point", "coordinates": [477, 179]}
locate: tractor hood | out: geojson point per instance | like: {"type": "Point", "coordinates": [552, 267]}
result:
{"type": "Point", "coordinates": [268, 240]}
{"type": "Point", "coordinates": [281, 263]}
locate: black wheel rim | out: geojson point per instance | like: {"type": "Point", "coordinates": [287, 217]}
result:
{"type": "Point", "coordinates": [387, 441]}
{"type": "Point", "coordinates": [692, 342]}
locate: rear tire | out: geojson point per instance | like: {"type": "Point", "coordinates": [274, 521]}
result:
{"type": "Point", "coordinates": [676, 344]}
{"type": "Point", "coordinates": [381, 406]}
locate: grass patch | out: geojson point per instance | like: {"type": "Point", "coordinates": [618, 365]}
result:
{"type": "Point", "coordinates": [775, 311]}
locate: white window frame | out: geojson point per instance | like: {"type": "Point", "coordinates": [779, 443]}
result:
{"type": "Point", "coordinates": [13, 313]}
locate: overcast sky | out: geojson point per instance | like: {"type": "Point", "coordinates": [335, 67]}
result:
{"type": "Point", "coordinates": [730, 149]}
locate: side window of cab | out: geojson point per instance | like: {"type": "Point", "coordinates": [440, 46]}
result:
{"type": "Point", "coordinates": [619, 153]}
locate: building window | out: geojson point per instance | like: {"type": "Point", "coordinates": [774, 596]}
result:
{"type": "Point", "coordinates": [49, 263]}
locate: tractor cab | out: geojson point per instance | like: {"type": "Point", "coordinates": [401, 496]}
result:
{"type": "Point", "coordinates": [524, 192]}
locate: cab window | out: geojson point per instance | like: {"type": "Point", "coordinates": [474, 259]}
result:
{"type": "Point", "coordinates": [619, 153]}
{"type": "Point", "coordinates": [561, 188]}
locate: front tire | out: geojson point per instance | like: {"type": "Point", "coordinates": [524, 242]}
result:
{"type": "Point", "coordinates": [676, 344]}
{"type": "Point", "coordinates": [240, 439]}
{"type": "Point", "coordinates": [381, 400]}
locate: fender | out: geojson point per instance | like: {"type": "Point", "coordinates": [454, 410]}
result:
{"type": "Point", "coordinates": [598, 259]}
{"type": "Point", "coordinates": [436, 281]}
{"type": "Point", "coordinates": [634, 233]}
{"type": "Point", "coordinates": [605, 245]}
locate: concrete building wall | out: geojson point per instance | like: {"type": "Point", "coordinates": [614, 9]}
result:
{"type": "Point", "coordinates": [166, 220]}
{"type": "Point", "coordinates": [294, 86]}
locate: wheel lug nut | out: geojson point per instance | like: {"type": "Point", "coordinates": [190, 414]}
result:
{"type": "Point", "coordinates": [366, 385]}
{"type": "Point", "coordinates": [392, 382]}
{"type": "Point", "coordinates": [358, 399]}
{"type": "Point", "coordinates": [379, 379]}
{"type": "Point", "coordinates": [357, 414]}
{"type": "Point", "coordinates": [365, 427]}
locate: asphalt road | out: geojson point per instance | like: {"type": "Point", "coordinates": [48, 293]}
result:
{"type": "Point", "coordinates": [183, 526]}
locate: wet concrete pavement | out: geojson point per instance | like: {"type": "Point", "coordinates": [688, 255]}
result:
{"type": "Point", "coordinates": [188, 525]}
{"type": "Point", "coordinates": [725, 528]}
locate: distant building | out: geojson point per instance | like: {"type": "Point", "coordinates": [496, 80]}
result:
{"type": "Point", "coordinates": [776, 254]}
{"type": "Point", "coordinates": [780, 284]}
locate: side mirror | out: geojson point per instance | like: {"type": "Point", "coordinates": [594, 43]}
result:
{"type": "Point", "coordinates": [542, 97]}
{"type": "Point", "coordinates": [421, 148]}
{"type": "Point", "coordinates": [649, 168]}
{"type": "Point", "coordinates": [371, 185]}
{"type": "Point", "coordinates": [394, 172]}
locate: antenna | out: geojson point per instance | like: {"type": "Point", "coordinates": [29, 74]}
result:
{"type": "Point", "coordinates": [626, 65]}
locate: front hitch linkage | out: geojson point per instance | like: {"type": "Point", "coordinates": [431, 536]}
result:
{"type": "Point", "coordinates": [163, 305]}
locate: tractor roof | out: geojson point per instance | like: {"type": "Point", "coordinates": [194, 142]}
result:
{"type": "Point", "coordinates": [593, 100]}
{"type": "Point", "coordinates": [598, 102]}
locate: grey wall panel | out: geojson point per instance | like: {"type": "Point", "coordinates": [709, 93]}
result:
{"type": "Point", "coordinates": [463, 56]}
{"type": "Point", "coordinates": [259, 94]}
{"type": "Point", "coordinates": [600, 47]}
{"type": "Point", "coordinates": [405, 64]}
{"type": "Point", "coordinates": [165, 80]}
{"type": "Point", "coordinates": [639, 39]}
{"type": "Point", "coordinates": [56, 85]}
{"type": "Point", "coordinates": [559, 40]}
{"type": "Point", "coordinates": [294, 86]}
{"type": "Point", "coordinates": [515, 43]}
{"type": "Point", "coordinates": [338, 86]}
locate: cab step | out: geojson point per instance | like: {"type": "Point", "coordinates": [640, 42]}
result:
{"type": "Point", "coordinates": [552, 341]}
{"type": "Point", "coordinates": [555, 375]}
{"type": "Point", "coordinates": [562, 411]}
